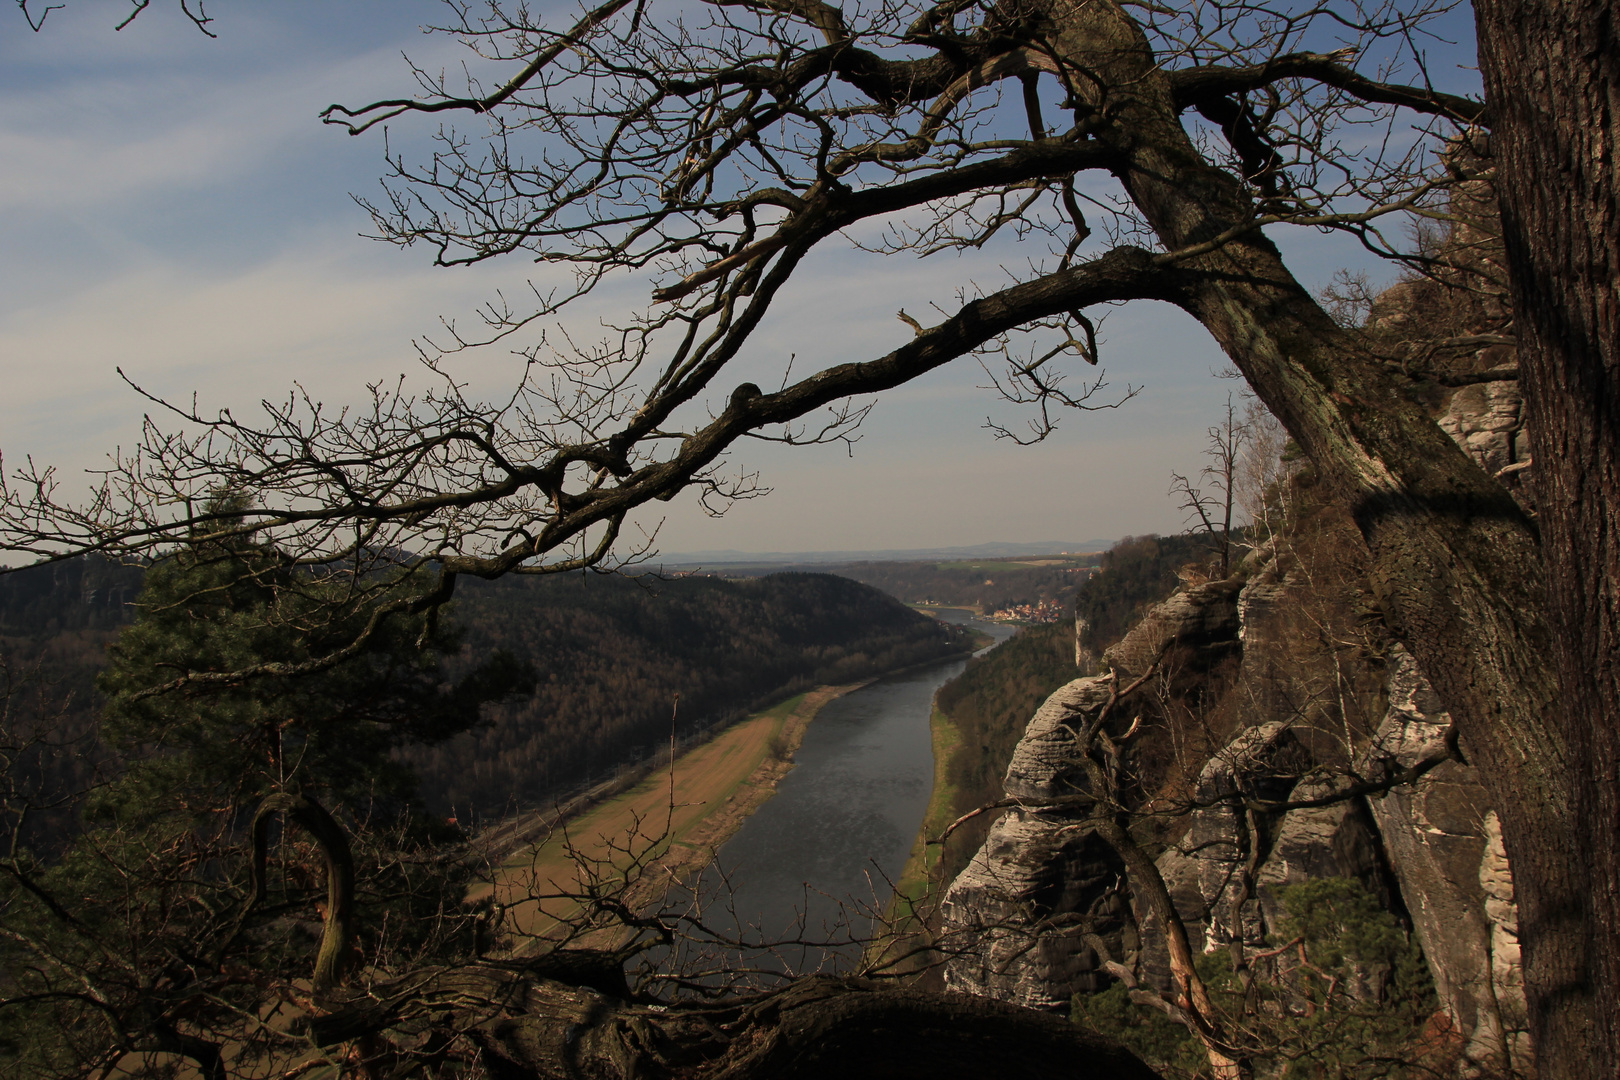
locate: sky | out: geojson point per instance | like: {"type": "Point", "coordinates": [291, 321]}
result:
{"type": "Point", "coordinates": [170, 205]}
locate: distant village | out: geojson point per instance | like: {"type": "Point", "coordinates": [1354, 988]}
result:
{"type": "Point", "coordinates": [1046, 611]}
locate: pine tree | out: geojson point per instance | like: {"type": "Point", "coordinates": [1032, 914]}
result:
{"type": "Point", "coordinates": [328, 733]}
{"type": "Point", "coordinates": [260, 829]}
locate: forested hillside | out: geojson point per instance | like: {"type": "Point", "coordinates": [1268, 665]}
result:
{"type": "Point", "coordinates": [1136, 573]}
{"type": "Point", "coordinates": [79, 594]}
{"type": "Point", "coordinates": [982, 584]}
{"type": "Point", "coordinates": [611, 653]}
{"type": "Point", "coordinates": [56, 622]}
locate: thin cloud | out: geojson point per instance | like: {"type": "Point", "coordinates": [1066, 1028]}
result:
{"type": "Point", "coordinates": [75, 150]}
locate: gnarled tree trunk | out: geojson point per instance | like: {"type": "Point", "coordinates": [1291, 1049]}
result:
{"type": "Point", "coordinates": [1456, 562]}
{"type": "Point", "coordinates": [1552, 79]}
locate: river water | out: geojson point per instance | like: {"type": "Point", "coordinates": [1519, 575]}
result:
{"type": "Point", "coordinates": [824, 849]}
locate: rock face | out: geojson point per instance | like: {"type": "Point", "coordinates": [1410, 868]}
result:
{"type": "Point", "coordinates": [1026, 902]}
{"type": "Point", "coordinates": [1024, 908]}
{"type": "Point", "coordinates": [1225, 873]}
{"type": "Point", "coordinates": [1484, 419]}
{"type": "Point", "coordinates": [1203, 620]}
{"type": "Point", "coordinates": [1306, 657]}
{"type": "Point", "coordinates": [1339, 840]}
{"type": "Point", "coordinates": [1032, 895]}
{"type": "Point", "coordinates": [1507, 967]}
{"type": "Point", "coordinates": [1446, 849]}
{"type": "Point", "coordinates": [1043, 765]}
{"type": "Point", "coordinates": [1430, 851]}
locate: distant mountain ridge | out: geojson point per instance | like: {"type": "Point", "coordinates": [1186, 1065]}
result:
{"type": "Point", "coordinates": [993, 550]}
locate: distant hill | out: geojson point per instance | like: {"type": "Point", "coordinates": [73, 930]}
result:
{"type": "Point", "coordinates": [88, 593]}
{"type": "Point", "coordinates": [984, 585]}
{"type": "Point", "coordinates": [55, 624]}
{"type": "Point", "coordinates": [729, 557]}
{"type": "Point", "coordinates": [611, 653]}
{"type": "Point", "coordinates": [978, 582]}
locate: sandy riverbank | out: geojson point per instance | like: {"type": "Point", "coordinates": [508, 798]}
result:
{"type": "Point", "coordinates": [662, 830]}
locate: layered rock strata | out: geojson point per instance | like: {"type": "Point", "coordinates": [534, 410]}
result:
{"type": "Point", "coordinates": [1027, 914]}
{"type": "Point", "coordinates": [1485, 420]}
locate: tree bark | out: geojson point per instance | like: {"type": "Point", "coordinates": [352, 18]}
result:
{"type": "Point", "coordinates": [337, 935]}
{"type": "Point", "coordinates": [1552, 81]}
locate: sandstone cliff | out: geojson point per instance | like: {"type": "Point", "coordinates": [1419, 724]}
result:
{"type": "Point", "coordinates": [1276, 741]}
{"type": "Point", "coordinates": [1273, 688]}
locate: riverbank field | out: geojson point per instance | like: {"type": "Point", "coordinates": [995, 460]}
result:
{"type": "Point", "coordinates": [912, 888]}
{"type": "Point", "coordinates": [670, 824]}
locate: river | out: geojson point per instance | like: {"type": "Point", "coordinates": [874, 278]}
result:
{"type": "Point", "coordinates": [841, 824]}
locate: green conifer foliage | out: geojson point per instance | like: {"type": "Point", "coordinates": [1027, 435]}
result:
{"type": "Point", "coordinates": [250, 819]}
{"type": "Point", "coordinates": [1343, 993]}
{"type": "Point", "coordinates": [329, 733]}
